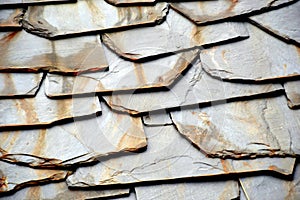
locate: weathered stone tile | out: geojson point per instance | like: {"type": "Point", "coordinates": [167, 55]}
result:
{"type": "Point", "coordinates": [128, 2]}
{"type": "Point", "coordinates": [60, 190]}
{"type": "Point", "coordinates": [10, 17]}
{"type": "Point", "coordinates": [122, 75]}
{"type": "Point", "coordinates": [269, 187]}
{"type": "Point", "coordinates": [157, 118]}
{"type": "Point", "coordinates": [71, 55]}
{"type": "Point", "coordinates": [175, 34]}
{"type": "Point", "coordinates": [87, 16]}
{"type": "Point", "coordinates": [284, 22]}
{"type": "Point", "coordinates": [11, 2]}
{"type": "Point", "coordinates": [168, 156]}
{"type": "Point", "coordinates": [190, 190]}
{"type": "Point", "coordinates": [79, 142]}
{"type": "Point", "coordinates": [41, 110]}
{"type": "Point", "coordinates": [202, 12]}
{"type": "Point", "coordinates": [131, 196]}
{"type": "Point", "coordinates": [196, 86]}
{"type": "Point", "coordinates": [258, 58]}
{"type": "Point", "coordinates": [13, 177]}
{"type": "Point", "coordinates": [12, 84]}
{"type": "Point", "coordinates": [260, 127]}
{"type": "Point", "coordinates": [292, 90]}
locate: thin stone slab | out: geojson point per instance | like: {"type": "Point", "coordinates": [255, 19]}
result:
{"type": "Point", "coordinates": [267, 126]}
{"type": "Point", "coordinates": [87, 16]}
{"type": "Point", "coordinates": [12, 84]}
{"type": "Point", "coordinates": [41, 110]}
{"type": "Point", "coordinates": [175, 34]}
{"type": "Point", "coordinates": [196, 86]}
{"type": "Point", "coordinates": [60, 190]}
{"type": "Point", "coordinates": [14, 177]}
{"type": "Point", "coordinates": [202, 12]}
{"type": "Point", "coordinates": [261, 57]}
{"type": "Point", "coordinates": [292, 90]}
{"type": "Point", "coordinates": [269, 187]}
{"type": "Point", "coordinates": [79, 142]}
{"type": "Point", "coordinates": [168, 156]}
{"type": "Point", "coordinates": [189, 190]}
{"type": "Point", "coordinates": [10, 17]}
{"type": "Point", "coordinates": [122, 75]}
{"type": "Point", "coordinates": [71, 55]}
{"type": "Point", "coordinates": [284, 22]}
{"type": "Point", "coordinates": [157, 118]}
{"type": "Point", "coordinates": [11, 2]}
{"type": "Point", "coordinates": [128, 2]}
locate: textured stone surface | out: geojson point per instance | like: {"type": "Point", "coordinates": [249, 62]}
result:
{"type": "Point", "coordinates": [79, 142]}
{"type": "Point", "coordinates": [175, 34]}
{"type": "Point", "coordinates": [284, 22]}
{"type": "Point", "coordinates": [128, 2]}
{"type": "Point", "coordinates": [196, 86]}
{"type": "Point", "coordinates": [12, 84]}
{"type": "Point", "coordinates": [292, 90]}
{"type": "Point", "coordinates": [208, 11]}
{"type": "Point", "coordinates": [10, 17]}
{"type": "Point", "coordinates": [70, 55]}
{"type": "Point", "coordinates": [189, 190]}
{"type": "Point", "coordinates": [87, 16]}
{"type": "Point", "coordinates": [157, 118]}
{"type": "Point", "coordinates": [41, 110]}
{"type": "Point", "coordinates": [168, 156]}
{"type": "Point", "coordinates": [267, 126]}
{"type": "Point", "coordinates": [122, 75]}
{"type": "Point", "coordinates": [260, 57]}
{"type": "Point", "coordinates": [14, 177]}
{"type": "Point", "coordinates": [11, 2]}
{"type": "Point", "coordinates": [269, 187]}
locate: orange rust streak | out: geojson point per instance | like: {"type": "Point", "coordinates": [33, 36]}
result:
{"type": "Point", "coordinates": [140, 74]}
{"type": "Point", "coordinates": [225, 166]}
{"type": "Point", "coordinates": [9, 37]}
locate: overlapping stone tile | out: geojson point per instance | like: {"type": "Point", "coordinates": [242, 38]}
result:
{"type": "Point", "coordinates": [12, 84]}
{"type": "Point", "coordinates": [10, 17]}
{"type": "Point", "coordinates": [284, 22]}
{"type": "Point", "coordinates": [87, 16]}
{"type": "Point", "coordinates": [175, 34]}
{"type": "Point", "coordinates": [269, 187]}
{"type": "Point", "coordinates": [260, 127]}
{"type": "Point", "coordinates": [12, 2]}
{"type": "Point", "coordinates": [13, 177]}
{"type": "Point", "coordinates": [60, 190]}
{"type": "Point", "coordinates": [292, 90]}
{"type": "Point", "coordinates": [41, 110]}
{"type": "Point", "coordinates": [190, 190]}
{"type": "Point", "coordinates": [169, 156]}
{"type": "Point", "coordinates": [261, 57]}
{"type": "Point", "coordinates": [128, 2]}
{"type": "Point", "coordinates": [196, 86]}
{"type": "Point", "coordinates": [79, 142]}
{"type": "Point", "coordinates": [70, 55]}
{"type": "Point", "coordinates": [122, 75]}
{"type": "Point", "coordinates": [202, 12]}
{"type": "Point", "coordinates": [157, 118]}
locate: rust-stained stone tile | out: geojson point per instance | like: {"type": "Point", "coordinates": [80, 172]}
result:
{"type": "Point", "coordinates": [284, 22]}
{"type": "Point", "coordinates": [222, 189]}
{"type": "Point", "coordinates": [13, 177]}
{"type": "Point", "coordinates": [202, 12]}
{"type": "Point", "coordinates": [10, 17]}
{"type": "Point", "coordinates": [259, 57]}
{"type": "Point", "coordinates": [71, 55]}
{"type": "Point", "coordinates": [267, 126]}
{"type": "Point", "coordinates": [79, 142]}
{"type": "Point", "coordinates": [196, 86]}
{"type": "Point", "coordinates": [41, 110]}
{"type": "Point", "coordinates": [128, 2]}
{"type": "Point", "coordinates": [269, 187]}
{"type": "Point", "coordinates": [12, 84]}
{"type": "Point", "coordinates": [122, 75]}
{"type": "Point", "coordinates": [60, 190]}
{"type": "Point", "coordinates": [175, 34]}
{"type": "Point", "coordinates": [292, 90]}
{"type": "Point", "coordinates": [157, 118]}
{"type": "Point", "coordinates": [86, 16]}
{"type": "Point", "coordinates": [169, 156]}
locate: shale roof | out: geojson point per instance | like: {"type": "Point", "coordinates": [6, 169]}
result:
{"type": "Point", "coordinates": [146, 99]}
